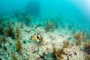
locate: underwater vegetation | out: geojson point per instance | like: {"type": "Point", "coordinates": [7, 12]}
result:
{"type": "Point", "coordinates": [1, 28]}
{"type": "Point", "coordinates": [79, 38]}
{"type": "Point", "coordinates": [87, 57]}
{"type": "Point", "coordinates": [49, 26]}
{"type": "Point", "coordinates": [2, 40]}
{"type": "Point", "coordinates": [17, 32]}
{"type": "Point", "coordinates": [58, 53]}
{"type": "Point", "coordinates": [66, 44]}
{"type": "Point", "coordinates": [10, 30]}
{"type": "Point", "coordinates": [19, 47]}
{"type": "Point", "coordinates": [86, 46]}
{"type": "Point", "coordinates": [28, 19]}
{"type": "Point", "coordinates": [36, 38]}
{"type": "Point", "coordinates": [13, 56]}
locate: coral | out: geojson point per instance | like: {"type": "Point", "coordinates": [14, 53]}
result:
{"type": "Point", "coordinates": [79, 38]}
{"type": "Point", "coordinates": [49, 26]}
{"type": "Point", "coordinates": [58, 53]}
{"type": "Point", "coordinates": [1, 28]}
{"type": "Point", "coordinates": [10, 30]}
{"type": "Point", "coordinates": [66, 44]}
{"type": "Point", "coordinates": [86, 45]}
{"type": "Point", "coordinates": [19, 46]}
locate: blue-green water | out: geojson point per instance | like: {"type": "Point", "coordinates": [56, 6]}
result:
{"type": "Point", "coordinates": [41, 17]}
{"type": "Point", "coordinates": [71, 11]}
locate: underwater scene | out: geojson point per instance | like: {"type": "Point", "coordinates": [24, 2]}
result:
{"type": "Point", "coordinates": [44, 29]}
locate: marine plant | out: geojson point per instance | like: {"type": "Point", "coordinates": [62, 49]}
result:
{"type": "Point", "coordinates": [10, 30]}
{"type": "Point", "coordinates": [28, 19]}
{"type": "Point", "coordinates": [1, 28]}
{"type": "Point", "coordinates": [74, 31]}
{"type": "Point", "coordinates": [86, 45]}
{"type": "Point", "coordinates": [19, 47]}
{"type": "Point", "coordinates": [2, 19]}
{"type": "Point", "coordinates": [66, 44]}
{"type": "Point", "coordinates": [17, 32]}
{"type": "Point", "coordinates": [58, 53]}
{"type": "Point", "coordinates": [79, 38]}
{"type": "Point", "coordinates": [87, 57]}
{"type": "Point", "coordinates": [49, 26]}
{"type": "Point", "coordinates": [84, 31]}
{"type": "Point", "coordinates": [2, 40]}
{"type": "Point", "coordinates": [89, 36]}
{"type": "Point", "coordinates": [13, 56]}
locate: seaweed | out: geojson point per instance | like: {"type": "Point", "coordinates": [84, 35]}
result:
{"type": "Point", "coordinates": [10, 30]}
{"type": "Point", "coordinates": [13, 56]}
{"type": "Point", "coordinates": [73, 31]}
{"type": "Point", "coordinates": [49, 26]}
{"type": "Point", "coordinates": [19, 47]}
{"type": "Point", "coordinates": [1, 28]}
{"type": "Point", "coordinates": [17, 32]}
{"type": "Point", "coordinates": [87, 57]}
{"type": "Point", "coordinates": [88, 36]}
{"type": "Point", "coordinates": [66, 44]}
{"type": "Point", "coordinates": [2, 40]}
{"type": "Point", "coordinates": [86, 45]}
{"type": "Point", "coordinates": [79, 38]}
{"type": "Point", "coordinates": [2, 19]}
{"type": "Point", "coordinates": [58, 53]}
{"type": "Point", "coordinates": [28, 19]}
